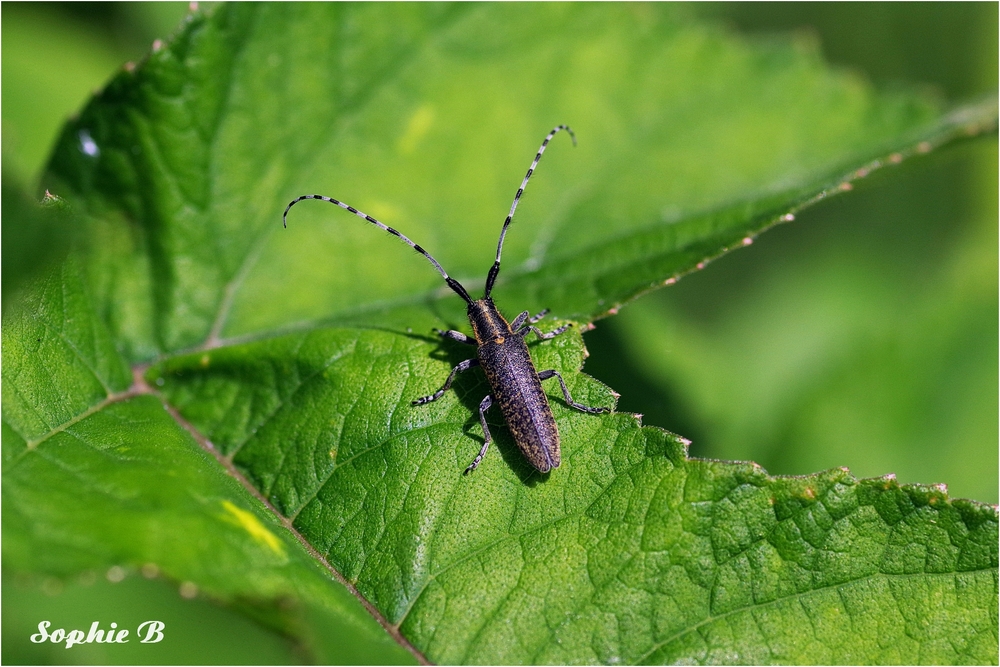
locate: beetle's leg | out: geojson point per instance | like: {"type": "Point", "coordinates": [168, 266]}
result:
{"type": "Point", "coordinates": [538, 316]}
{"type": "Point", "coordinates": [456, 335]}
{"type": "Point", "coordinates": [545, 375]}
{"type": "Point", "coordinates": [519, 320]}
{"type": "Point", "coordinates": [552, 334]}
{"type": "Point", "coordinates": [523, 317]}
{"type": "Point", "coordinates": [464, 366]}
{"type": "Point", "coordinates": [483, 407]}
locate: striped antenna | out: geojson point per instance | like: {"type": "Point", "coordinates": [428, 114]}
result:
{"type": "Point", "coordinates": [452, 283]}
{"type": "Point", "coordinates": [495, 269]}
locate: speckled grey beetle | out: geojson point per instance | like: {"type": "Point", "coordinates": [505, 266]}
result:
{"type": "Point", "coordinates": [500, 351]}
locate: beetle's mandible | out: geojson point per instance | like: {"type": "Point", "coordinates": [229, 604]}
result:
{"type": "Point", "coordinates": [500, 350]}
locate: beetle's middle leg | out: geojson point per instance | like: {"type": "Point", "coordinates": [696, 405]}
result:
{"type": "Point", "coordinates": [456, 335]}
{"type": "Point", "coordinates": [464, 366]}
{"type": "Point", "coordinates": [545, 375]}
{"type": "Point", "coordinates": [483, 407]}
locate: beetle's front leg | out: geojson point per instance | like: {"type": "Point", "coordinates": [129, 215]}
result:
{"type": "Point", "coordinates": [464, 366]}
{"type": "Point", "coordinates": [483, 407]}
{"type": "Point", "coordinates": [539, 316]}
{"type": "Point", "coordinates": [523, 317]}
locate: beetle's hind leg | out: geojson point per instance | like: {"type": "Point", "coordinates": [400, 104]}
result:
{"type": "Point", "coordinates": [545, 375]}
{"type": "Point", "coordinates": [464, 366]}
{"type": "Point", "coordinates": [483, 407]}
{"type": "Point", "coordinates": [456, 335]}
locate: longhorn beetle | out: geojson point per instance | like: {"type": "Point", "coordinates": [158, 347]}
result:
{"type": "Point", "coordinates": [500, 350]}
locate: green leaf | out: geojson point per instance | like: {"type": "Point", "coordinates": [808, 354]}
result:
{"type": "Point", "coordinates": [289, 454]}
{"type": "Point", "coordinates": [241, 113]}
{"type": "Point", "coordinates": [96, 474]}
{"type": "Point", "coordinates": [628, 552]}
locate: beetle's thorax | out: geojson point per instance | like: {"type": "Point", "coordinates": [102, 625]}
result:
{"type": "Point", "coordinates": [487, 322]}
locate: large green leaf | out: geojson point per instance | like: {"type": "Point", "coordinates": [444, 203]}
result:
{"type": "Point", "coordinates": [289, 359]}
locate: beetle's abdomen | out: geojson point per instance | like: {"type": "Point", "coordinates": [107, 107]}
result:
{"type": "Point", "coordinates": [517, 389]}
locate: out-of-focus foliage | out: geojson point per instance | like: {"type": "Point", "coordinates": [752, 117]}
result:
{"type": "Point", "coordinates": [129, 602]}
{"type": "Point", "coordinates": [55, 55]}
{"type": "Point", "coordinates": [726, 506]}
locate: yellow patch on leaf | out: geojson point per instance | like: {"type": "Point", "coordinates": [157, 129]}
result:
{"type": "Point", "coordinates": [250, 523]}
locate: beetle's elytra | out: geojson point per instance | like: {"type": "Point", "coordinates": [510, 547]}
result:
{"type": "Point", "coordinates": [500, 350]}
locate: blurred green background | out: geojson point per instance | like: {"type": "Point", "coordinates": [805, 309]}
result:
{"type": "Point", "coordinates": [862, 335]}
{"type": "Point", "coordinates": [865, 333]}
